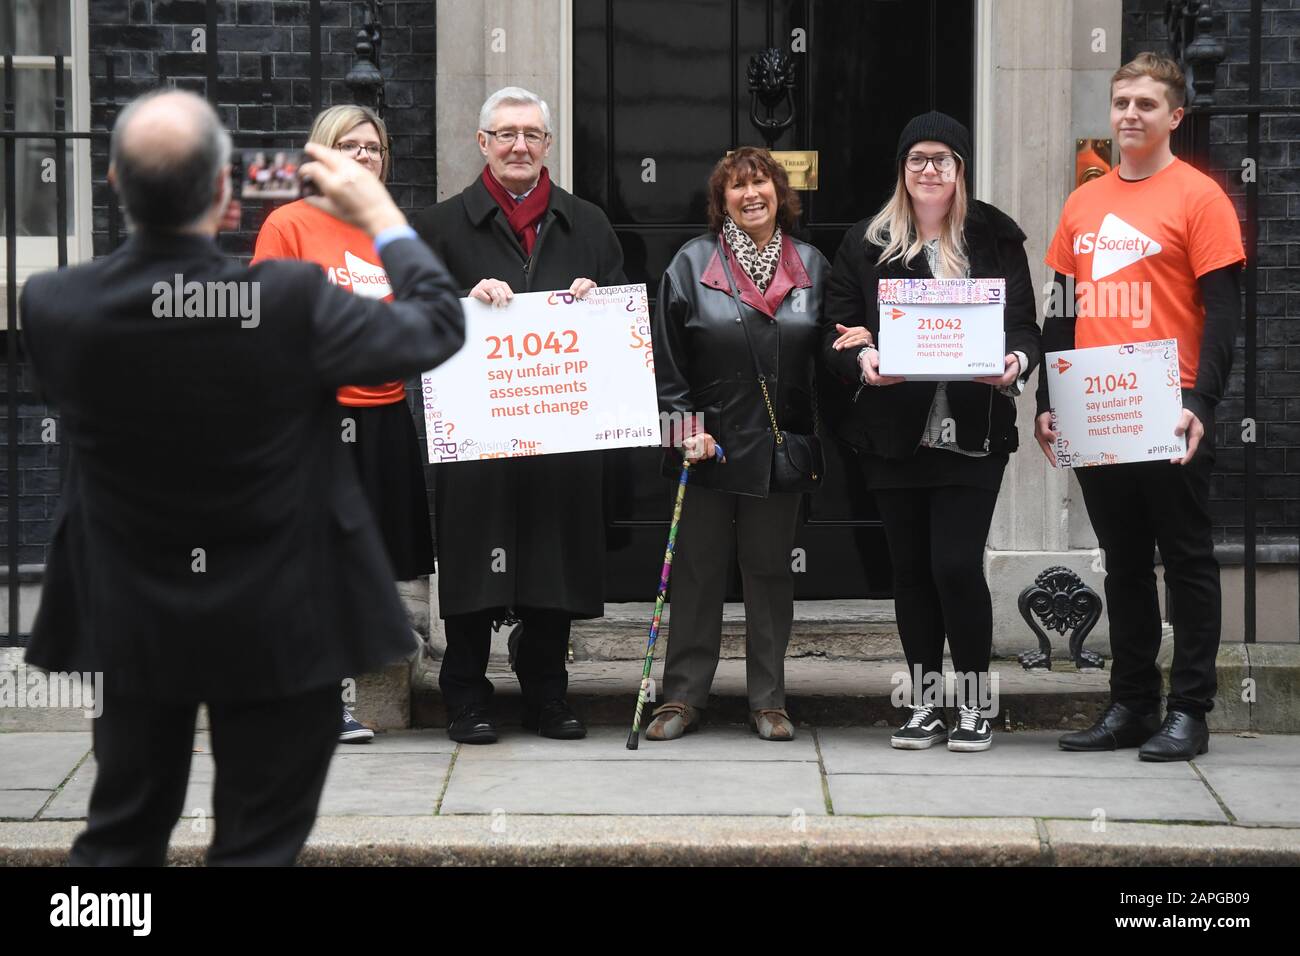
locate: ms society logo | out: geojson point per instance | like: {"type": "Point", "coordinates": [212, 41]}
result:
{"type": "Point", "coordinates": [366, 279]}
{"type": "Point", "coordinates": [1115, 245]}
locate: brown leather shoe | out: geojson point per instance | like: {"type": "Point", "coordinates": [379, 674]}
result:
{"type": "Point", "coordinates": [772, 724]}
{"type": "Point", "coordinates": [672, 720]}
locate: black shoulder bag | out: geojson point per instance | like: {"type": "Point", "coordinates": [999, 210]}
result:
{"type": "Point", "coordinates": [799, 463]}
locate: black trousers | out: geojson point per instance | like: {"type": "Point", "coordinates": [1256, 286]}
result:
{"type": "Point", "coordinates": [936, 539]}
{"type": "Point", "coordinates": [1134, 508]}
{"type": "Point", "coordinates": [539, 659]}
{"type": "Point", "coordinates": [271, 760]}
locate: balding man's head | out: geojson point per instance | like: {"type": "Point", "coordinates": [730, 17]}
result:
{"type": "Point", "coordinates": [167, 150]}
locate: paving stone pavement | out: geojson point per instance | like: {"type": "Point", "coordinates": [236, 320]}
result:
{"type": "Point", "coordinates": [723, 773]}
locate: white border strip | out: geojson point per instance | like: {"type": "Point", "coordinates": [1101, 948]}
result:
{"type": "Point", "coordinates": [984, 100]}
{"type": "Point", "coordinates": [566, 94]}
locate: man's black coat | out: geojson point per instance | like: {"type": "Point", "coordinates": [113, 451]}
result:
{"type": "Point", "coordinates": [521, 532]}
{"type": "Point", "coordinates": [212, 541]}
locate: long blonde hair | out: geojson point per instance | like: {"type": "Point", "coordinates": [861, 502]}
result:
{"type": "Point", "coordinates": [894, 230]}
{"type": "Point", "coordinates": [332, 124]}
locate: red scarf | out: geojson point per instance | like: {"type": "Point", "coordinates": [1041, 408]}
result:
{"type": "Point", "coordinates": [522, 216]}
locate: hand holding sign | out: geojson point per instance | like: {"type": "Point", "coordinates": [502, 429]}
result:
{"type": "Point", "coordinates": [581, 287]}
{"type": "Point", "coordinates": [1046, 437]}
{"type": "Point", "coordinates": [1189, 425]}
{"type": "Point", "coordinates": [869, 362]}
{"type": "Point", "coordinates": [1007, 377]}
{"type": "Point", "coordinates": [493, 291]}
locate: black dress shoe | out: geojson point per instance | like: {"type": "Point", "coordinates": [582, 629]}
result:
{"type": "Point", "coordinates": [472, 725]}
{"type": "Point", "coordinates": [1119, 727]}
{"type": "Point", "coordinates": [1181, 737]}
{"type": "Point", "coordinates": [554, 719]}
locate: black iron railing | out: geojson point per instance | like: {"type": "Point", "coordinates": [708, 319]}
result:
{"type": "Point", "coordinates": [1193, 42]}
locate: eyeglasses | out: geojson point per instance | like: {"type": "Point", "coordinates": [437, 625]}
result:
{"type": "Point", "coordinates": [350, 148]}
{"type": "Point", "coordinates": [943, 163]}
{"type": "Point", "coordinates": [507, 137]}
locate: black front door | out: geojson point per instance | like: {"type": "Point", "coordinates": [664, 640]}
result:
{"type": "Point", "coordinates": [660, 93]}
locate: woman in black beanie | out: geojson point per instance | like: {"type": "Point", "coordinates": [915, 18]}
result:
{"type": "Point", "coordinates": [933, 452]}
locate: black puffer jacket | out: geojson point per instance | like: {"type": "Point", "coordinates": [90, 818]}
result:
{"type": "Point", "coordinates": [890, 420]}
{"type": "Point", "coordinates": [703, 364]}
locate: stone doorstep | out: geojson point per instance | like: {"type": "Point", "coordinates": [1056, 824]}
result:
{"type": "Point", "coordinates": [853, 692]}
{"type": "Point", "coordinates": [382, 701]}
{"type": "Point", "coordinates": [1259, 687]}
{"type": "Point", "coordinates": [820, 691]}
{"type": "Point", "coordinates": [839, 629]}
{"type": "Point", "coordinates": [851, 630]}
{"type": "Point", "coordinates": [718, 840]}
{"type": "Point", "coordinates": [826, 693]}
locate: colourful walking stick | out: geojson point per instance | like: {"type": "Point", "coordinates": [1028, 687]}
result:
{"type": "Point", "coordinates": [634, 738]}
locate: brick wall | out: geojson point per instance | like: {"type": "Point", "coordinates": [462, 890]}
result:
{"type": "Point", "coordinates": [152, 39]}
{"type": "Point", "coordinates": [1277, 322]}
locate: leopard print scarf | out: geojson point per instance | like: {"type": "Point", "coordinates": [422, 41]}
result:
{"type": "Point", "coordinates": [759, 266]}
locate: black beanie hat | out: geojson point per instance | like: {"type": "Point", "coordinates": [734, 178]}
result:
{"type": "Point", "coordinates": [939, 127]}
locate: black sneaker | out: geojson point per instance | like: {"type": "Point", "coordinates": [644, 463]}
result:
{"type": "Point", "coordinates": [354, 731]}
{"type": "Point", "coordinates": [922, 730]}
{"type": "Point", "coordinates": [972, 733]}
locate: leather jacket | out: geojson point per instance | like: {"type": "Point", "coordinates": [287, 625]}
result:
{"type": "Point", "coordinates": [703, 362]}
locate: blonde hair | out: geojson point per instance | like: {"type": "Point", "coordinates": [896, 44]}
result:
{"type": "Point", "coordinates": [894, 230]}
{"type": "Point", "coordinates": [1162, 69]}
{"type": "Point", "coordinates": [332, 124]}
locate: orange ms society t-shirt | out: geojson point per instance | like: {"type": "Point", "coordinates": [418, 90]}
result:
{"type": "Point", "coordinates": [1136, 249]}
{"type": "Point", "coordinates": [299, 230]}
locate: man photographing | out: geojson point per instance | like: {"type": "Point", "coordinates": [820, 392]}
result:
{"type": "Point", "coordinates": [212, 543]}
{"type": "Point", "coordinates": [1157, 223]}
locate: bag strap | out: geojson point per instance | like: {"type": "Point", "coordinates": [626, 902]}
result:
{"type": "Point", "coordinates": [740, 317]}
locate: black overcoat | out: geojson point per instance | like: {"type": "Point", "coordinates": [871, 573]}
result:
{"type": "Point", "coordinates": [521, 532]}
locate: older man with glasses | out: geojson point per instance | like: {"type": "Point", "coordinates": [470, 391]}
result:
{"type": "Point", "coordinates": [513, 230]}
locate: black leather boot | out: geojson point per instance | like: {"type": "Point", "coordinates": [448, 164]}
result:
{"type": "Point", "coordinates": [1181, 737]}
{"type": "Point", "coordinates": [1119, 727]}
{"type": "Point", "coordinates": [554, 719]}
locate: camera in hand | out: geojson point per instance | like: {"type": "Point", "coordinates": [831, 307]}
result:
{"type": "Point", "coordinates": [266, 174]}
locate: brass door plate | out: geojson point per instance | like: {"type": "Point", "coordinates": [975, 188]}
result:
{"type": "Point", "coordinates": [800, 166]}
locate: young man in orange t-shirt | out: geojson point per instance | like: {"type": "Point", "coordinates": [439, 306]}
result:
{"type": "Point", "coordinates": [1167, 237]}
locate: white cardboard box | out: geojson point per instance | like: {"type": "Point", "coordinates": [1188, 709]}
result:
{"type": "Point", "coordinates": [1115, 403]}
{"type": "Point", "coordinates": [941, 329]}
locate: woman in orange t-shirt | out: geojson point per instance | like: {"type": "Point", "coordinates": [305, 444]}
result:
{"type": "Point", "coordinates": [373, 419]}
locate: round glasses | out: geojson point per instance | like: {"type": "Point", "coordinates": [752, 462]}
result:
{"type": "Point", "coordinates": [943, 163]}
